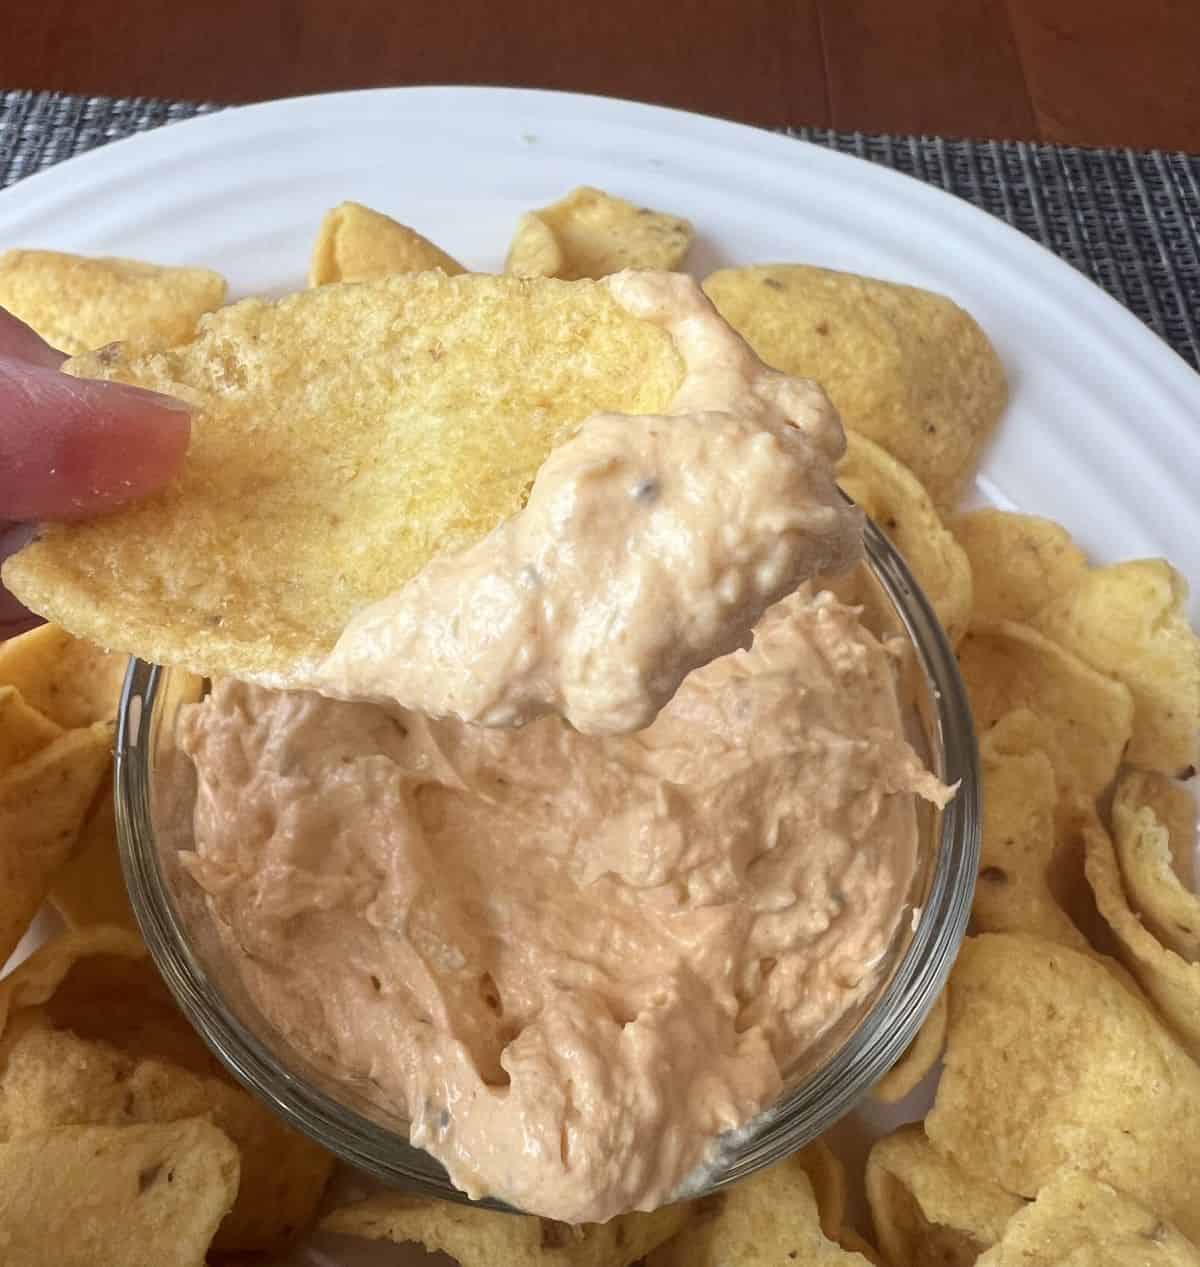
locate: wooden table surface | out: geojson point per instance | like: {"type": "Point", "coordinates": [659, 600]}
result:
{"type": "Point", "coordinates": [1092, 72]}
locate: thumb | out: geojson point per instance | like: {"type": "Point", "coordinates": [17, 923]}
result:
{"type": "Point", "coordinates": [71, 447]}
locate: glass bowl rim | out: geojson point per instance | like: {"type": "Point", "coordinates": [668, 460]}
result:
{"type": "Point", "coordinates": [814, 1105]}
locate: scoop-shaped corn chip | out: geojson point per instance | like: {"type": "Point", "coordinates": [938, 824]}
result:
{"type": "Point", "coordinates": [99, 983]}
{"type": "Point", "coordinates": [98, 1196]}
{"type": "Point", "coordinates": [1172, 983]}
{"type": "Point", "coordinates": [90, 888]}
{"type": "Point", "coordinates": [1088, 715]}
{"type": "Point", "coordinates": [23, 730]}
{"type": "Point", "coordinates": [91, 1036]}
{"type": "Point", "coordinates": [34, 982]}
{"type": "Point", "coordinates": [43, 802]}
{"type": "Point", "coordinates": [1020, 562]}
{"type": "Point", "coordinates": [771, 1217]}
{"type": "Point", "coordinates": [69, 680]}
{"type": "Point", "coordinates": [926, 1209]}
{"type": "Point", "coordinates": [1154, 823]}
{"type": "Point", "coordinates": [907, 368]}
{"type": "Point", "coordinates": [1078, 1221]}
{"type": "Point", "coordinates": [1013, 893]}
{"type": "Point", "coordinates": [889, 492]}
{"type": "Point", "coordinates": [477, 1237]}
{"type": "Point", "coordinates": [535, 251]}
{"type": "Point", "coordinates": [356, 244]}
{"type": "Point", "coordinates": [827, 1174]}
{"type": "Point", "coordinates": [1052, 1063]}
{"type": "Point", "coordinates": [77, 303]}
{"type": "Point", "coordinates": [591, 234]}
{"type": "Point", "coordinates": [921, 1056]}
{"type": "Point", "coordinates": [343, 436]}
{"type": "Point", "coordinates": [854, 1242]}
{"type": "Point", "coordinates": [1130, 620]}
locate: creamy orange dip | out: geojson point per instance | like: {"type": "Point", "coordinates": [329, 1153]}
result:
{"type": "Point", "coordinates": [571, 962]}
{"type": "Point", "coordinates": [648, 546]}
{"type": "Point", "coordinates": [573, 954]}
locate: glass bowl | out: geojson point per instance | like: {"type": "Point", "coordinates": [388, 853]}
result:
{"type": "Point", "coordinates": [154, 801]}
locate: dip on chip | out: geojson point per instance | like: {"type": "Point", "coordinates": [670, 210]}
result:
{"type": "Point", "coordinates": [77, 303]}
{"type": "Point", "coordinates": [907, 368]}
{"type": "Point", "coordinates": [474, 496]}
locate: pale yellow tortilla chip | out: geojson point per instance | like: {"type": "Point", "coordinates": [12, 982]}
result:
{"type": "Point", "coordinates": [1077, 1221]}
{"type": "Point", "coordinates": [1171, 982]}
{"type": "Point", "coordinates": [356, 244]}
{"type": "Point", "coordinates": [43, 802]}
{"type": "Point", "coordinates": [856, 1243]}
{"type": "Point", "coordinates": [770, 1218]}
{"type": "Point", "coordinates": [827, 1174]}
{"type": "Point", "coordinates": [78, 303]}
{"type": "Point", "coordinates": [1020, 843]}
{"type": "Point", "coordinates": [99, 983]}
{"type": "Point", "coordinates": [591, 234]}
{"type": "Point", "coordinates": [1051, 1063]}
{"type": "Point", "coordinates": [918, 1060]}
{"type": "Point", "coordinates": [1154, 824]}
{"type": "Point", "coordinates": [343, 436]}
{"type": "Point", "coordinates": [1130, 620]}
{"type": "Point", "coordinates": [1176, 808]}
{"type": "Point", "coordinates": [103, 1196]}
{"type": "Point", "coordinates": [1020, 562]}
{"type": "Point", "coordinates": [89, 888]}
{"type": "Point", "coordinates": [35, 981]}
{"type": "Point", "coordinates": [69, 680]}
{"type": "Point", "coordinates": [92, 1037]}
{"type": "Point", "coordinates": [891, 495]}
{"type": "Point", "coordinates": [1088, 715]}
{"type": "Point", "coordinates": [926, 1209]}
{"type": "Point", "coordinates": [907, 368]}
{"type": "Point", "coordinates": [23, 730]}
{"type": "Point", "coordinates": [535, 251]}
{"type": "Point", "coordinates": [476, 1237]}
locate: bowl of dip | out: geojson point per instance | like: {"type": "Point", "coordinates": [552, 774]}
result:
{"type": "Point", "coordinates": [417, 939]}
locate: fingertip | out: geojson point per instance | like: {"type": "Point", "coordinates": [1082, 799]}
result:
{"type": "Point", "coordinates": [73, 447]}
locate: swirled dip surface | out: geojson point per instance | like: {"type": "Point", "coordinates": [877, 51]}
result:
{"type": "Point", "coordinates": [649, 545]}
{"type": "Point", "coordinates": [570, 961]}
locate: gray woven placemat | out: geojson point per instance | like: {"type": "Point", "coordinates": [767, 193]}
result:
{"type": "Point", "coordinates": [1128, 219]}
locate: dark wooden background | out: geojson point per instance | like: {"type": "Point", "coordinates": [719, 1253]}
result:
{"type": "Point", "coordinates": [1098, 72]}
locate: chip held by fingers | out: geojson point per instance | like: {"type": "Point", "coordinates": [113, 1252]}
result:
{"type": "Point", "coordinates": [474, 496]}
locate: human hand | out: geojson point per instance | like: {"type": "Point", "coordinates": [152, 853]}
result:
{"type": "Point", "coordinates": [71, 447]}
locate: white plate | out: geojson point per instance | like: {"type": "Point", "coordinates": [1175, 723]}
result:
{"type": "Point", "coordinates": [1103, 432]}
